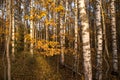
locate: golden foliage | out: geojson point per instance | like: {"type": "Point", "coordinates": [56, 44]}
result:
{"type": "Point", "coordinates": [42, 14]}
{"type": "Point", "coordinates": [17, 35]}
{"type": "Point", "coordinates": [31, 17]}
{"type": "Point", "coordinates": [54, 36]}
{"type": "Point", "coordinates": [52, 5]}
{"type": "Point", "coordinates": [37, 15]}
{"type": "Point", "coordinates": [47, 22]}
{"type": "Point", "coordinates": [47, 48]}
{"type": "Point", "coordinates": [50, 22]}
{"type": "Point", "coordinates": [29, 39]}
{"type": "Point", "coordinates": [50, 1]}
{"type": "Point", "coordinates": [60, 8]}
{"type": "Point", "coordinates": [26, 17]}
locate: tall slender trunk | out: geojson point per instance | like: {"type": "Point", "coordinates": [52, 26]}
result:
{"type": "Point", "coordinates": [86, 41]}
{"type": "Point", "coordinates": [62, 36]}
{"type": "Point", "coordinates": [54, 29]}
{"type": "Point", "coordinates": [31, 26]}
{"type": "Point", "coordinates": [47, 26]}
{"type": "Point", "coordinates": [76, 36]}
{"type": "Point", "coordinates": [4, 43]}
{"type": "Point", "coordinates": [8, 28]}
{"type": "Point", "coordinates": [105, 39]}
{"type": "Point", "coordinates": [46, 30]}
{"type": "Point", "coordinates": [99, 40]}
{"type": "Point", "coordinates": [113, 32]}
{"type": "Point", "coordinates": [25, 24]}
{"type": "Point", "coordinates": [13, 31]}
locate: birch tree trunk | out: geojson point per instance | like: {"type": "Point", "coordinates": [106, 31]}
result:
{"type": "Point", "coordinates": [46, 30]}
{"type": "Point", "coordinates": [76, 36]}
{"type": "Point", "coordinates": [13, 31]}
{"type": "Point", "coordinates": [61, 36]}
{"type": "Point", "coordinates": [113, 32]}
{"type": "Point", "coordinates": [25, 23]}
{"type": "Point", "coordinates": [54, 27]}
{"type": "Point", "coordinates": [99, 40]}
{"type": "Point", "coordinates": [8, 28]}
{"type": "Point", "coordinates": [86, 41]}
{"type": "Point", "coordinates": [31, 26]}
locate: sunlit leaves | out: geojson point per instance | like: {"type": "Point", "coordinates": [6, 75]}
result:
{"type": "Point", "coordinates": [50, 22]}
{"type": "Point", "coordinates": [50, 1]}
{"type": "Point", "coordinates": [42, 14]}
{"type": "Point", "coordinates": [26, 17]}
{"type": "Point", "coordinates": [47, 48]}
{"type": "Point", "coordinates": [16, 35]}
{"type": "Point", "coordinates": [29, 39]}
{"type": "Point", "coordinates": [54, 36]}
{"type": "Point", "coordinates": [36, 15]}
{"type": "Point", "coordinates": [60, 8]}
{"type": "Point", "coordinates": [52, 5]}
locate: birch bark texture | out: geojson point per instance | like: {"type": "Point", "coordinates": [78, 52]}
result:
{"type": "Point", "coordinates": [31, 27]}
{"type": "Point", "coordinates": [114, 35]}
{"type": "Point", "coordinates": [99, 39]}
{"type": "Point", "coordinates": [13, 31]}
{"type": "Point", "coordinates": [8, 37]}
{"type": "Point", "coordinates": [76, 36]}
{"type": "Point", "coordinates": [86, 41]}
{"type": "Point", "coordinates": [62, 42]}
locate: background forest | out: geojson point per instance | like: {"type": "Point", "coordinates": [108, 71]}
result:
{"type": "Point", "coordinates": [59, 39]}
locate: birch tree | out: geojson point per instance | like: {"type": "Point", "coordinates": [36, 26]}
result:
{"type": "Point", "coordinates": [86, 41]}
{"type": "Point", "coordinates": [25, 22]}
{"type": "Point", "coordinates": [61, 35]}
{"type": "Point", "coordinates": [31, 26]}
{"type": "Point", "coordinates": [13, 31]}
{"type": "Point", "coordinates": [113, 32]}
{"type": "Point", "coordinates": [8, 28]}
{"type": "Point", "coordinates": [99, 39]}
{"type": "Point", "coordinates": [76, 35]}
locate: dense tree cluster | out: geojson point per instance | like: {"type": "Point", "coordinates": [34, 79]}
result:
{"type": "Point", "coordinates": [87, 30]}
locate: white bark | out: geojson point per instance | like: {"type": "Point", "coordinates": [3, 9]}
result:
{"type": "Point", "coordinates": [13, 31]}
{"type": "Point", "coordinates": [54, 29]}
{"type": "Point", "coordinates": [113, 32]}
{"type": "Point", "coordinates": [76, 36]}
{"type": "Point", "coordinates": [99, 40]}
{"type": "Point", "coordinates": [61, 41]}
{"type": "Point", "coordinates": [8, 27]}
{"type": "Point", "coordinates": [76, 27]}
{"type": "Point", "coordinates": [62, 37]}
{"type": "Point", "coordinates": [86, 41]}
{"type": "Point", "coordinates": [31, 27]}
{"type": "Point", "coordinates": [47, 26]}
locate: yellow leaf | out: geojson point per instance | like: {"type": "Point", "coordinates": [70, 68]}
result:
{"type": "Point", "coordinates": [59, 8]}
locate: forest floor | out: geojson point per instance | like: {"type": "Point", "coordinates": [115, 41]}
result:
{"type": "Point", "coordinates": [37, 67]}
